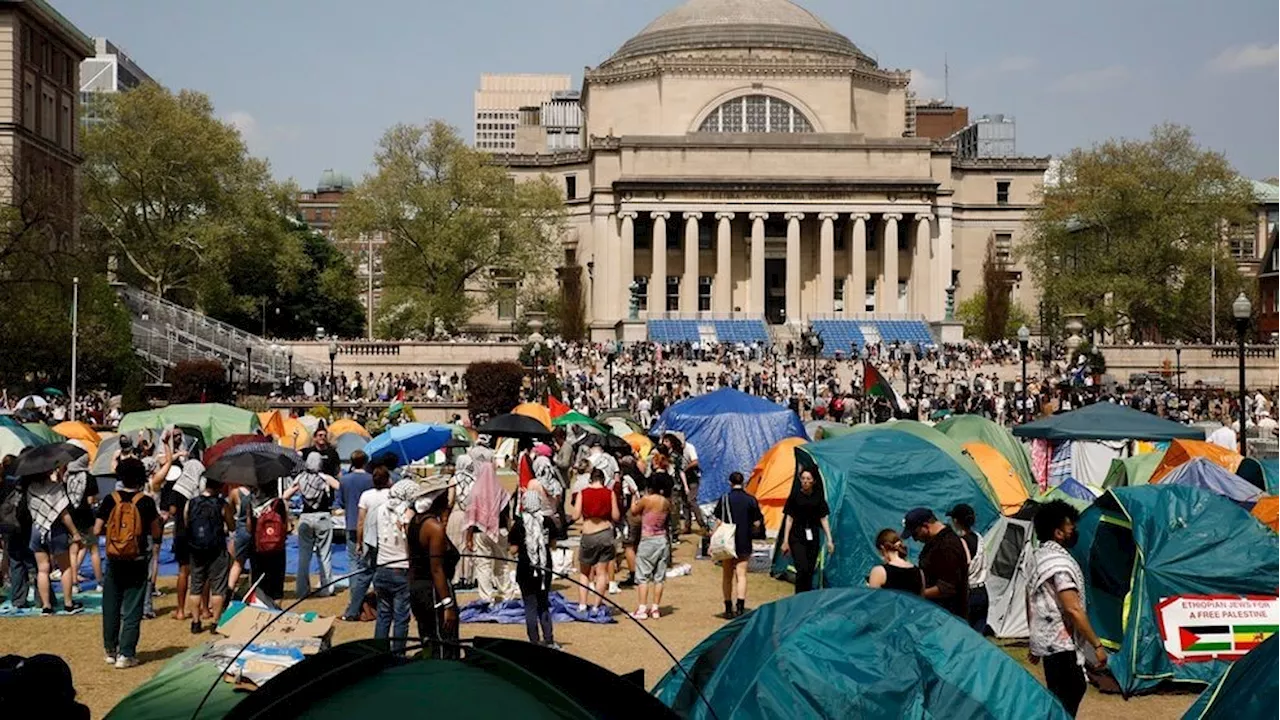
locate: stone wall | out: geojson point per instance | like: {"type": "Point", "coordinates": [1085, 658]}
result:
{"type": "Point", "coordinates": [397, 357]}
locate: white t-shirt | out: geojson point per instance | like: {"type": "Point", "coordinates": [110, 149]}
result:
{"type": "Point", "coordinates": [1224, 437]}
{"type": "Point", "coordinates": [690, 454]}
{"type": "Point", "coordinates": [370, 501]}
{"type": "Point", "coordinates": [393, 542]}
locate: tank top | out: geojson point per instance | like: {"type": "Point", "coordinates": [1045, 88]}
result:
{"type": "Point", "coordinates": [420, 555]}
{"type": "Point", "coordinates": [597, 503]}
{"type": "Point", "coordinates": [906, 579]}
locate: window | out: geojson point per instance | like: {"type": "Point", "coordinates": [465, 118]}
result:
{"type": "Point", "coordinates": [571, 186]}
{"type": "Point", "coordinates": [1002, 192]}
{"type": "Point", "coordinates": [507, 300]}
{"type": "Point", "coordinates": [642, 292]}
{"type": "Point", "coordinates": [48, 117]}
{"type": "Point", "coordinates": [1004, 248]}
{"type": "Point", "coordinates": [704, 236]}
{"type": "Point", "coordinates": [29, 102]}
{"type": "Point", "coordinates": [839, 297]}
{"type": "Point", "coordinates": [704, 293]}
{"type": "Point", "coordinates": [673, 293]}
{"type": "Point", "coordinates": [756, 114]}
{"type": "Point", "coordinates": [1242, 241]}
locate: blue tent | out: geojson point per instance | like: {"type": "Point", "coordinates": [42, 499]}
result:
{"type": "Point", "coordinates": [1078, 490]}
{"type": "Point", "coordinates": [730, 430]}
{"type": "Point", "coordinates": [1207, 475]}
{"type": "Point", "coordinates": [851, 653]}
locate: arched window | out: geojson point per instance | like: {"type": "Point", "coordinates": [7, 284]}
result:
{"type": "Point", "coordinates": [756, 114]}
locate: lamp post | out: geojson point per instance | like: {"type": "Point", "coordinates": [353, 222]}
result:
{"type": "Point", "coordinates": [1177, 354]}
{"type": "Point", "coordinates": [612, 350]}
{"type": "Point", "coordinates": [248, 366]}
{"type": "Point", "coordinates": [813, 342]}
{"type": "Point", "coordinates": [333, 383]}
{"type": "Point", "coordinates": [1024, 340]}
{"type": "Point", "coordinates": [536, 339]}
{"type": "Point", "coordinates": [75, 338]}
{"type": "Point", "coordinates": [1241, 309]}
{"type": "Point", "coordinates": [289, 375]}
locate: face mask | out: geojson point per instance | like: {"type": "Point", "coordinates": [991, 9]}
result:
{"type": "Point", "coordinates": [1071, 540]}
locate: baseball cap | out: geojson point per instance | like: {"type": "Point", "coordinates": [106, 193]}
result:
{"type": "Point", "coordinates": [964, 513]}
{"type": "Point", "coordinates": [915, 518]}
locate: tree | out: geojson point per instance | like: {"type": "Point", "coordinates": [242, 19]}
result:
{"type": "Point", "coordinates": [972, 313]}
{"type": "Point", "coordinates": [458, 229]}
{"type": "Point", "coordinates": [995, 290]}
{"type": "Point", "coordinates": [493, 388]}
{"type": "Point", "coordinates": [1130, 233]}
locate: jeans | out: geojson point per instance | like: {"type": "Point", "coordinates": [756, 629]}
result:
{"type": "Point", "coordinates": [315, 535]}
{"type": "Point", "coordinates": [422, 600]}
{"type": "Point", "coordinates": [123, 591]}
{"type": "Point", "coordinates": [22, 565]}
{"type": "Point", "coordinates": [361, 562]}
{"type": "Point", "coordinates": [1065, 679]}
{"type": "Point", "coordinates": [537, 611]}
{"type": "Point", "coordinates": [392, 588]}
{"type": "Point", "coordinates": [153, 567]}
{"type": "Point", "coordinates": [979, 605]}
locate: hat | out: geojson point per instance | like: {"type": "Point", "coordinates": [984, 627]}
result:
{"type": "Point", "coordinates": [435, 484]}
{"type": "Point", "coordinates": [917, 517]}
{"type": "Point", "coordinates": [963, 512]}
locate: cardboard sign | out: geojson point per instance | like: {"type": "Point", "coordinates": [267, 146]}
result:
{"type": "Point", "coordinates": [1200, 628]}
{"type": "Point", "coordinates": [246, 622]}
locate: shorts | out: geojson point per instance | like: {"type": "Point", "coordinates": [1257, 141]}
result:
{"type": "Point", "coordinates": [632, 538]}
{"type": "Point", "coordinates": [181, 550]}
{"type": "Point", "coordinates": [596, 548]}
{"type": "Point", "coordinates": [243, 545]}
{"type": "Point", "coordinates": [58, 542]}
{"type": "Point", "coordinates": [651, 560]}
{"type": "Point", "coordinates": [83, 519]}
{"type": "Point", "coordinates": [211, 572]}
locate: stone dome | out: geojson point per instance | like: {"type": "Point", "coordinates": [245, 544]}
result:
{"type": "Point", "coordinates": [737, 24]}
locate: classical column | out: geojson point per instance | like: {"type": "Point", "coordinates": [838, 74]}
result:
{"type": "Point", "coordinates": [627, 261]}
{"type": "Point", "coordinates": [942, 263]}
{"type": "Point", "coordinates": [921, 277]}
{"type": "Point", "coordinates": [689, 283]}
{"type": "Point", "coordinates": [855, 285]}
{"type": "Point", "coordinates": [887, 294]}
{"type": "Point", "coordinates": [658, 280]}
{"type": "Point", "coordinates": [722, 286]}
{"type": "Point", "coordinates": [826, 263]}
{"type": "Point", "coordinates": [793, 266]}
{"type": "Point", "coordinates": [757, 261]}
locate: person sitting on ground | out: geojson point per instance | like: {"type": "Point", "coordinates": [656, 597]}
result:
{"type": "Point", "coordinates": [896, 572]}
{"type": "Point", "coordinates": [944, 561]}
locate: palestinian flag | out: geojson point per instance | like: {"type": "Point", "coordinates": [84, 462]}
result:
{"type": "Point", "coordinates": [556, 407]}
{"type": "Point", "coordinates": [875, 385]}
{"type": "Point", "coordinates": [1223, 638]}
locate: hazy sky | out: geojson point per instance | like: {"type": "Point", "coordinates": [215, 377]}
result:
{"type": "Point", "coordinates": [314, 83]}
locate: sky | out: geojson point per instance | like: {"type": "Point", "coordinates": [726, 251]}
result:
{"type": "Point", "coordinates": [313, 84]}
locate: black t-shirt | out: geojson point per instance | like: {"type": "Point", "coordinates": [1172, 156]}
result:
{"type": "Point", "coordinates": [170, 498]}
{"type": "Point", "coordinates": [806, 511]}
{"type": "Point", "coordinates": [946, 565]}
{"type": "Point", "coordinates": [331, 464]}
{"type": "Point", "coordinates": [146, 508]}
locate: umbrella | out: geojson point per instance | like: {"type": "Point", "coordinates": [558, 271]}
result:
{"type": "Point", "coordinates": [44, 459]}
{"type": "Point", "coordinates": [347, 443]}
{"type": "Point", "coordinates": [409, 442]}
{"type": "Point", "coordinates": [535, 411]}
{"type": "Point", "coordinates": [577, 418]}
{"type": "Point", "coordinates": [515, 426]}
{"type": "Point", "coordinates": [44, 432]}
{"type": "Point", "coordinates": [610, 443]}
{"type": "Point", "coordinates": [640, 444]}
{"type": "Point", "coordinates": [255, 464]}
{"type": "Point", "coordinates": [13, 440]}
{"type": "Point", "coordinates": [53, 391]}
{"type": "Point", "coordinates": [212, 454]}
{"type": "Point", "coordinates": [621, 427]}
{"type": "Point", "coordinates": [31, 401]}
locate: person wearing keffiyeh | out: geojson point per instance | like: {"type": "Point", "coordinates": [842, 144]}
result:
{"type": "Point", "coordinates": [82, 491]}
{"type": "Point", "coordinates": [530, 542]}
{"type": "Point", "coordinates": [315, 525]}
{"type": "Point", "coordinates": [484, 529]}
{"type": "Point", "coordinates": [463, 479]}
{"type": "Point", "coordinates": [52, 535]}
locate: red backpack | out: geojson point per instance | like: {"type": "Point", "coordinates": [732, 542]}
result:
{"type": "Point", "coordinates": [269, 531]}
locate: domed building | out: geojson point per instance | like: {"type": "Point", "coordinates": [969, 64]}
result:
{"type": "Point", "coordinates": [743, 158]}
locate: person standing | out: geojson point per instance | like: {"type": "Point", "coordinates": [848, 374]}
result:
{"type": "Point", "coordinates": [432, 561]}
{"type": "Point", "coordinates": [366, 540]}
{"type": "Point", "coordinates": [962, 520]}
{"type": "Point", "coordinates": [82, 491]}
{"type": "Point", "coordinates": [741, 509]}
{"type": "Point", "coordinates": [485, 533]}
{"type": "Point", "coordinates": [52, 535]}
{"type": "Point", "coordinates": [896, 572]}
{"type": "Point", "coordinates": [944, 560]}
{"type": "Point", "coordinates": [315, 525]}
{"type": "Point", "coordinates": [353, 484]}
{"type": "Point", "coordinates": [130, 521]}
{"type": "Point", "coordinates": [391, 579]}
{"type": "Point", "coordinates": [1061, 636]}
{"type": "Point", "coordinates": [530, 538]}
{"type": "Point", "coordinates": [653, 513]}
{"type": "Point", "coordinates": [22, 562]}
{"type": "Point", "coordinates": [209, 521]}
{"type": "Point", "coordinates": [270, 530]}
{"type": "Point", "coordinates": [804, 527]}
{"type": "Point", "coordinates": [463, 478]}
{"type": "Point", "coordinates": [330, 463]}
{"type": "Point", "coordinates": [597, 507]}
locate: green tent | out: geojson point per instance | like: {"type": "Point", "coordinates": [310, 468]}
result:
{"type": "Point", "coordinates": [975, 428]}
{"type": "Point", "coordinates": [1107, 421]}
{"type": "Point", "coordinates": [577, 418]}
{"type": "Point", "coordinates": [214, 421]}
{"type": "Point", "coordinates": [177, 689]}
{"type": "Point", "coordinates": [1248, 690]}
{"type": "Point", "coordinates": [1055, 493]}
{"type": "Point", "coordinates": [873, 476]}
{"type": "Point", "coordinates": [1141, 549]}
{"type": "Point", "coordinates": [851, 653]}
{"type": "Point", "coordinates": [44, 432]}
{"type": "Point", "coordinates": [1136, 470]}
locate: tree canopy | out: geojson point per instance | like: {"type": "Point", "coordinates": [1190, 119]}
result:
{"type": "Point", "coordinates": [458, 230]}
{"type": "Point", "coordinates": [1131, 234]}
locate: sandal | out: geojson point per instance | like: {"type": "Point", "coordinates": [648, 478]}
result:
{"type": "Point", "coordinates": [640, 614]}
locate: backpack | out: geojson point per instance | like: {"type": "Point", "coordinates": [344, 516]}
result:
{"type": "Point", "coordinates": [269, 530]}
{"type": "Point", "coordinates": [206, 530]}
{"type": "Point", "coordinates": [9, 510]}
{"type": "Point", "coordinates": [124, 528]}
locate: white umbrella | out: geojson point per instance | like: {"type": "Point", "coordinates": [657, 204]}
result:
{"type": "Point", "coordinates": [34, 401]}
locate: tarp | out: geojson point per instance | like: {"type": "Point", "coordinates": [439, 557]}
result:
{"type": "Point", "coordinates": [1248, 690]}
{"type": "Point", "coordinates": [975, 428]}
{"type": "Point", "coordinates": [1182, 451]}
{"type": "Point", "coordinates": [214, 421]}
{"type": "Point", "coordinates": [1267, 510]}
{"type": "Point", "coordinates": [1008, 487]}
{"type": "Point", "coordinates": [772, 478]}
{"type": "Point", "coordinates": [1141, 547]}
{"type": "Point", "coordinates": [1136, 470]}
{"type": "Point", "coordinates": [1205, 474]}
{"type": "Point", "coordinates": [851, 653]}
{"type": "Point", "coordinates": [511, 612]}
{"type": "Point", "coordinates": [730, 430]}
{"type": "Point", "coordinates": [1106, 421]}
{"type": "Point", "coordinates": [873, 476]}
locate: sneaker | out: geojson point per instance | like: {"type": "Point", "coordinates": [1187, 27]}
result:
{"type": "Point", "coordinates": [149, 615]}
{"type": "Point", "coordinates": [124, 663]}
{"type": "Point", "coordinates": [46, 612]}
{"type": "Point", "coordinates": [628, 583]}
{"type": "Point", "coordinates": [74, 608]}
{"type": "Point", "coordinates": [654, 612]}
{"type": "Point", "coordinates": [614, 589]}
{"type": "Point", "coordinates": [640, 614]}
{"type": "Point", "coordinates": [553, 645]}
{"type": "Point", "coordinates": [582, 608]}
{"type": "Point", "coordinates": [111, 659]}
{"type": "Point", "coordinates": [196, 627]}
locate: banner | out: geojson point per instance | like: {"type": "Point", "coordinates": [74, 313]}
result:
{"type": "Point", "coordinates": [1200, 628]}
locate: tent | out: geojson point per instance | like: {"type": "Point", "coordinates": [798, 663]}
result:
{"type": "Point", "coordinates": [213, 421]}
{"type": "Point", "coordinates": [1206, 474]}
{"type": "Point", "coordinates": [851, 653]}
{"type": "Point", "coordinates": [1267, 511]}
{"type": "Point", "coordinates": [975, 428]}
{"type": "Point", "coordinates": [272, 422]}
{"type": "Point", "coordinates": [15, 438]}
{"type": "Point", "coordinates": [346, 425]}
{"type": "Point", "coordinates": [826, 429]}
{"type": "Point", "coordinates": [1248, 690]}
{"type": "Point", "coordinates": [294, 433]}
{"type": "Point", "coordinates": [176, 691]}
{"type": "Point", "coordinates": [1134, 470]}
{"type": "Point", "coordinates": [771, 480]}
{"type": "Point", "coordinates": [873, 476]}
{"type": "Point", "coordinates": [1182, 451]}
{"type": "Point", "coordinates": [1106, 421]}
{"type": "Point", "coordinates": [1009, 544]}
{"type": "Point", "coordinates": [44, 432]}
{"type": "Point", "coordinates": [1144, 548]}
{"type": "Point", "coordinates": [76, 430]}
{"type": "Point", "coordinates": [348, 443]}
{"type": "Point", "coordinates": [730, 430]}
{"type": "Point", "coordinates": [1008, 487]}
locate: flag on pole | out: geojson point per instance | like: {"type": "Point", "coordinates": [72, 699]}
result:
{"type": "Point", "coordinates": [875, 385]}
{"type": "Point", "coordinates": [257, 598]}
{"type": "Point", "coordinates": [556, 407]}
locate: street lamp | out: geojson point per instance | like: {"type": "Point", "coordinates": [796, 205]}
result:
{"type": "Point", "coordinates": [289, 377]}
{"type": "Point", "coordinates": [275, 352]}
{"type": "Point", "coordinates": [1177, 354]}
{"type": "Point", "coordinates": [1024, 339]}
{"type": "Point", "coordinates": [612, 350]}
{"type": "Point", "coordinates": [812, 340]}
{"type": "Point", "coordinates": [536, 339]}
{"type": "Point", "coordinates": [248, 366]}
{"type": "Point", "coordinates": [1241, 309]}
{"type": "Point", "coordinates": [333, 384]}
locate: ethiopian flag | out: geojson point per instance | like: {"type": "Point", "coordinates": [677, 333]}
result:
{"type": "Point", "coordinates": [875, 385]}
{"type": "Point", "coordinates": [1248, 637]}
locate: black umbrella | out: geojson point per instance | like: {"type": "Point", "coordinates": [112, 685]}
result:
{"type": "Point", "coordinates": [611, 444]}
{"type": "Point", "coordinates": [255, 464]}
{"type": "Point", "coordinates": [44, 459]}
{"type": "Point", "coordinates": [514, 426]}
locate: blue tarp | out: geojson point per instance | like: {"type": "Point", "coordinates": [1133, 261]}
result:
{"type": "Point", "coordinates": [730, 430]}
{"type": "Point", "coordinates": [1207, 475]}
{"type": "Point", "coordinates": [511, 612]}
{"type": "Point", "coordinates": [1076, 489]}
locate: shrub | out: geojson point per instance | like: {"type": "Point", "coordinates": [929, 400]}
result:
{"type": "Point", "coordinates": [193, 381]}
{"type": "Point", "coordinates": [493, 388]}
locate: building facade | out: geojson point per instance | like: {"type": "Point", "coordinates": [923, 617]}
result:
{"type": "Point", "coordinates": [109, 70]}
{"type": "Point", "coordinates": [498, 103]}
{"type": "Point", "coordinates": [747, 159]}
{"type": "Point", "coordinates": [319, 210]}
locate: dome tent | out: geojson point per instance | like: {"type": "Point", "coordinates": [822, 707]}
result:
{"type": "Point", "coordinates": [1248, 690]}
{"type": "Point", "coordinates": [1009, 554]}
{"type": "Point", "coordinates": [771, 480]}
{"type": "Point", "coordinates": [730, 430]}
{"type": "Point", "coordinates": [975, 428]}
{"type": "Point", "coordinates": [849, 653]}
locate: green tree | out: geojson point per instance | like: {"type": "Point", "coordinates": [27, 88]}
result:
{"type": "Point", "coordinates": [455, 223]}
{"type": "Point", "coordinates": [1130, 233]}
{"type": "Point", "coordinates": [972, 313]}
{"type": "Point", "coordinates": [995, 289]}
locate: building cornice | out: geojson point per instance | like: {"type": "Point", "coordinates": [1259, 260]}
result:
{"type": "Point", "coordinates": [55, 20]}
{"type": "Point", "coordinates": [746, 66]}
{"type": "Point", "coordinates": [525, 160]}
{"type": "Point", "coordinates": [811, 188]}
{"type": "Point", "coordinates": [759, 141]}
{"type": "Point", "coordinates": [1007, 163]}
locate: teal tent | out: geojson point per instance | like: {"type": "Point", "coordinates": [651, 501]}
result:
{"type": "Point", "coordinates": [851, 653]}
{"type": "Point", "coordinates": [1107, 421]}
{"type": "Point", "coordinates": [1248, 690]}
{"type": "Point", "coordinates": [873, 476]}
{"type": "Point", "coordinates": [975, 428]}
{"type": "Point", "coordinates": [1142, 549]}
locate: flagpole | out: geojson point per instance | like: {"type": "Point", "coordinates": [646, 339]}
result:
{"type": "Point", "coordinates": [75, 334]}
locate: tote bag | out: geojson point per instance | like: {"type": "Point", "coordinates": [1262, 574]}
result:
{"type": "Point", "coordinates": [723, 545]}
